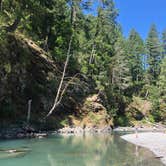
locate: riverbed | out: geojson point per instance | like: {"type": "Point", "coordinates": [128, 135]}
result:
{"type": "Point", "coordinates": [83, 150]}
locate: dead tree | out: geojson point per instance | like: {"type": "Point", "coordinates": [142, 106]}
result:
{"type": "Point", "coordinates": [29, 111]}
{"type": "Point", "coordinates": [60, 92]}
{"type": "Point", "coordinates": [57, 101]}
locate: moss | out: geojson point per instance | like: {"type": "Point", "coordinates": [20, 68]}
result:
{"type": "Point", "coordinates": [95, 118]}
{"type": "Point", "coordinates": [7, 67]}
{"type": "Point", "coordinates": [151, 119]}
{"type": "Point", "coordinates": [64, 122]}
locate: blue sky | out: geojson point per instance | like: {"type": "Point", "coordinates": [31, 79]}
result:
{"type": "Point", "coordinates": [140, 14]}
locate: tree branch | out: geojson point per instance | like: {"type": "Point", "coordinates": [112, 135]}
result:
{"type": "Point", "coordinates": [13, 27]}
{"type": "Point", "coordinates": [65, 88]}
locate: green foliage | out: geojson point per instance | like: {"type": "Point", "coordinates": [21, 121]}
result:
{"type": "Point", "coordinates": [7, 68]}
{"type": "Point", "coordinates": [164, 44]}
{"type": "Point", "coordinates": [136, 51]}
{"type": "Point", "coordinates": [151, 118]}
{"type": "Point", "coordinates": [98, 51]}
{"type": "Point", "coordinates": [119, 73]}
{"type": "Point", "coordinates": [154, 97]}
{"type": "Point", "coordinates": [122, 121]}
{"type": "Point", "coordinates": [95, 118]}
{"type": "Point", "coordinates": [64, 122]}
{"type": "Point", "coordinates": [6, 109]}
{"type": "Point", "coordinates": [154, 55]}
{"type": "Point", "coordinates": [162, 80]}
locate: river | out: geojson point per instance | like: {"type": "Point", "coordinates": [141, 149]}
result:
{"type": "Point", "coordinates": [87, 150]}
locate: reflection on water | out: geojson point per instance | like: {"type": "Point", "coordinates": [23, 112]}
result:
{"type": "Point", "coordinates": [87, 150]}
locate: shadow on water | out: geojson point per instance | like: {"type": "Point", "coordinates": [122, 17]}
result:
{"type": "Point", "coordinates": [86, 150]}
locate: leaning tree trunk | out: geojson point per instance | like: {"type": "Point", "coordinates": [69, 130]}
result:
{"type": "Point", "coordinates": [56, 101]}
{"type": "Point", "coordinates": [29, 111]}
{"type": "Point", "coordinates": [60, 92]}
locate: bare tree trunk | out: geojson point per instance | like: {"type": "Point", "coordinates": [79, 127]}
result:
{"type": "Point", "coordinates": [59, 94]}
{"type": "Point", "coordinates": [46, 44]}
{"type": "Point", "coordinates": [56, 101]}
{"type": "Point", "coordinates": [146, 95]}
{"type": "Point", "coordinates": [29, 111]}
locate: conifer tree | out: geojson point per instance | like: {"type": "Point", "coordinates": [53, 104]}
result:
{"type": "Point", "coordinates": [163, 44]}
{"type": "Point", "coordinates": [162, 79]}
{"type": "Point", "coordinates": [154, 55]}
{"type": "Point", "coordinates": [135, 52]}
{"type": "Point", "coordinates": [120, 76]}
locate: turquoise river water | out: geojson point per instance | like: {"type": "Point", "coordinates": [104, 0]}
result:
{"type": "Point", "coordinates": [87, 150]}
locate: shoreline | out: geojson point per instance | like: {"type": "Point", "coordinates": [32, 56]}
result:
{"type": "Point", "coordinates": [154, 141]}
{"type": "Point", "coordinates": [30, 132]}
{"type": "Point", "coordinates": [139, 129]}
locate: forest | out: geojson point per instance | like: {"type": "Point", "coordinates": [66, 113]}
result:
{"type": "Point", "coordinates": [61, 54]}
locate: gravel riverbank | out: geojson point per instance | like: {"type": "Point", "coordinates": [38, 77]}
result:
{"type": "Point", "coordinates": [30, 132]}
{"type": "Point", "coordinates": [154, 141]}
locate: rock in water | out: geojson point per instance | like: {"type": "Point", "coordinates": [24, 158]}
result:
{"type": "Point", "coordinates": [10, 153]}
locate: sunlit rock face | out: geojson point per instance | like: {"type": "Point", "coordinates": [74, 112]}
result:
{"type": "Point", "coordinates": [92, 114]}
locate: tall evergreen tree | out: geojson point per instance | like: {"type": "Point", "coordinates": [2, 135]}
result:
{"type": "Point", "coordinates": [154, 55]}
{"type": "Point", "coordinates": [135, 52]}
{"type": "Point", "coordinates": [162, 90]}
{"type": "Point", "coordinates": [162, 79]}
{"type": "Point", "coordinates": [120, 76]}
{"type": "Point", "coordinates": [104, 38]}
{"type": "Point", "coordinates": [97, 40]}
{"type": "Point", "coordinates": [163, 44]}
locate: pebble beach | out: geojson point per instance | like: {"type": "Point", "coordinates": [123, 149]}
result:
{"type": "Point", "coordinates": [154, 141]}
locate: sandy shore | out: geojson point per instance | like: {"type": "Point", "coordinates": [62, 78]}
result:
{"type": "Point", "coordinates": [154, 141]}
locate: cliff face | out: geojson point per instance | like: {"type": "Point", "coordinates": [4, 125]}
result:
{"type": "Point", "coordinates": [24, 75]}
{"type": "Point", "coordinates": [93, 113]}
{"type": "Point", "coordinates": [28, 73]}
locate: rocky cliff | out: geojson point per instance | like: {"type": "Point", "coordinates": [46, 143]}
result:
{"type": "Point", "coordinates": [27, 72]}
